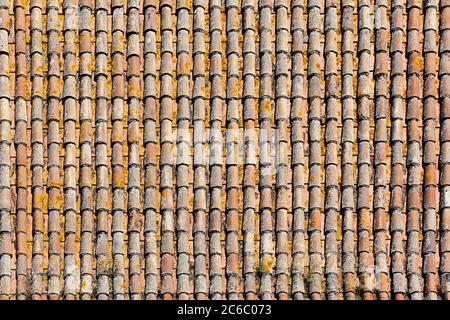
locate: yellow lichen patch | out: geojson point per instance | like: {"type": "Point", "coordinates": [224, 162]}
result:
{"type": "Point", "coordinates": [417, 61]}
{"type": "Point", "coordinates": [184, 66]}
{"type": "Point", "coordinates": [314, 223]}
{"type": "Point", "coordinates": [118, 180]}
{"type": "Point", "coordinates": [84, 284]}
{"type": "Point", "coordinates": [266, 107]}
{"type": "Point", "coordinates": [267, 263]}
{"type": "Point", "coordinates": [133, 90]}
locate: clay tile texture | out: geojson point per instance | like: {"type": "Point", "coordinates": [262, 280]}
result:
{"type": "Point", "coordinates": [225, 149]}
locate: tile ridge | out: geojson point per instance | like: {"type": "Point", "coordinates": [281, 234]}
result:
{"type": "Point", "coordinates": [430, 159]}
{"type": "Point", "coordinates": [265, 115]}
{"type": "Point", "coordinates": [200, 151]}
{"type": "Point", "coordinates": [381, 75]}
{"type": "Point", "coordinates": [53, 149]}
{"type": "Point", "coordinates": [315, 101]}
{"type": "Point", "coordinates": [444, 95]}
{"type": "Point", "coordinates": [70, 106]}
{"type": "Point", "coordinates": [117, 138]}
{"type": "Point", "coordinates": [87, 276]}
{"type": "Point", "coordinates": [233, 93]}
{"type": "Point", "coordinates": [134, 139]}
{"type": "Point", "coordinates": [364, 190]}
{"type": "Point", "coordinates": [413, 158]}
{"type": "Point", "coordinates": [166, 159]}
{"type": "Point", "coordinates": [184, 142]}
{"type": "Point", "coordinates": [250, 148]}
{"type": "Point", "coordinates": [282, 106]}
{"type": "Point", "coordinates": [21, 146]}
{"type": "Point", "coordinates": [151, 149]}
{"type": "Point", "coordinates": [102, 205]}
{"type": "Point", "coordinates": [398, 83]}
{"type": "Point", "coordinates": [331, 153]}
{"type": "Point", "coordinates": [298, 159]}
{"type": "Point", "coordinates": [348, 193]}
{"type": "Point", "coordinates": [5, 167]}
{"type": "Point", "coordinates": [217, 104]}
{"type": "Point", "coordinates": [37, 146]}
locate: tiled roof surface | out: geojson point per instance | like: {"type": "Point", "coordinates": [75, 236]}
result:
{"type": "Point", "coordinates": [252, 149]}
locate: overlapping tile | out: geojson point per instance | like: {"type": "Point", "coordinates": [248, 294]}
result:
{"type": "Point", "coordinates": [266, 149]}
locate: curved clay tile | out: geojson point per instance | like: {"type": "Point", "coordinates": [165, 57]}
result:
{"type": "Point", "coordinates": [266, 256]}
{"type": "Point", "coordinates": [347, 191]}
{"type": "Point", "coordinates": [298, 158]}
{"type": "Point", "coordinates": [151, 148]}
{"type": "Point", "coordinates": [184, 143]}
{"type": "Point", "coordinates": [37, 148]}
{"type": "Point", "coordinates": [199, 160]}
{"type": "Point", "coordinates": [87, 276]}
{"type": "Point", "coordinates": [102, 205]}
{"type": "Point", "coordinates": [413, 158]}
{"type": "Point", "coordinates": [430, 159]}
{"type": "Point", "coordinates": [380, 139]}
{"type": "Point", "coordinates": [444, 95]}
{"type": "Point", "coordinates": [134, 139]}
{"type": "Point", "coordinates": [70, 105]}
{"type": "Point", "coordinates": [5, 161]}
{"type": "Point", "coordinates": [166, 159]}
{"type": "Point", "coordinates": [332, 173]}
{"type": "Point", "coordinates": [322, 89]}
{"type": "Point", "coordinates": [364, 96]}
{"type": "Point", "coordinates": [53, 148]}
{"type": "Point", "coordinates": [21, 145]}
{"type": "Point", "coordinates": [217, 104]}
{"type": "Point", "coordinates": [117, 137]}
{"type": "Point", "coordinates": [396, 206]}
{"type": "Point", "coordinates": [315, 101]}
{"type": "Point", "coordinates": [282, 106]}
{"type": "Point", "coordinates": [250, 144]}
{"type": "Point", "coordinates": [232, 150]}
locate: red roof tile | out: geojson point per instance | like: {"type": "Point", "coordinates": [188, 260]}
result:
{"type": "Point", "coordinates": [247, 149]}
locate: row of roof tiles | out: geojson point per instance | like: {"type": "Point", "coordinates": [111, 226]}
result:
{"type": "Point", "coordinates": [125, 178]}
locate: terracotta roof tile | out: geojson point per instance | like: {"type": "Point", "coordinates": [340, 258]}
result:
{"type": "Point", "coordinates": [266, 260]}
{"type": "Point", "coordinates": [134, 139]}
{"type": "Point", "coordinates": [381, 75]}
{"type": "Point", "coordinates": [200, 162]}
{"type": "Point", "coordinates": [331, 157]}
{"type": "Point", "coordinates": [183, 162]}
{"type": "Point", "coordinates": [166, 160]}
{"type": "Point", "coordinates": [70, 103]}
{"type": "Point", "coordinates": [217, 104]}
{"type": "Point", "coordinates": [297, 145]}
{"type": "Point", "coordinates": [117, 137]}
{"type": "Point", "coordinates": [37, 145]}
{"type": "Point", "coordinates": [315, 101]}
{"type": "Point", "coordinates": [5, 166]}
{"type": "Point", "coordinates": [248, 149]}
{"type": "Point", "coordinates": [150, 119]}
{"type": "Point", "coordinates": [53, 29]}
{"type": "Point", "coordinates": [364, 95]}
{"type": "Point", "coordinates": [233, 92]}
{"type": "Point", "coordinates": [444, 73]}
{"type": "Point", "coordinates": [102, 168]}
{"type": "Point", "coordinates": [282, 147]}
{"type": "Point", "coordinates": [397, 181]}
{"type": "Point", "coordinates": [347, 162]}
{"type": "Point", "coordinates": [21, 146]}
{"type": "Point", "coordinates": [430, 161]}
{"type": "Point", "coordinates": [414, 163]}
